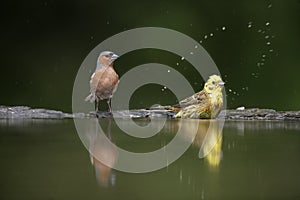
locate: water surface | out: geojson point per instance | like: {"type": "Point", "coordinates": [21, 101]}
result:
{"type": "Point", "coordinates": [45, 159]}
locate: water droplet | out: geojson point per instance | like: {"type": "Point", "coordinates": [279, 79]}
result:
{"type": "Point", "coordinates": [249, 24]}
{"type": "Point", "coordinates": [92, 37]}
{"type": "Point", "coordinates": [223, 28]}
{"type": "Point", "coordinates": [169, 71]}
{"type": "Point", "coordinates": [211, 34]}
{"type": "Point", "coordinates": [263, 32]}
{"type": "Point", "coordinates": [205, 36]}
{"type": "Point", "coordinates": [165, 87]}
{"type": "Point", "coordinates": [259, 30]}
{"type": "Point", "coordinates": [180, 176]}
{"type": "Point", "coordinates": [182, 58]}
{"type": "Point", "coordinates": [200, 41]}
{"type": "Point", "coordinates": [270, 6]}
{"type": "Point", "coordinates": [271, 50]}
{"type": "Point", "coordinates": [162, 89]}
{"type": "Point", "coordinates": [267, 37]}
{"type": "Point", "coordinates": [202, 194]}
{"type": "Point", "coordinates": [263, 55]}
{"type": "Point", "coordinates": [230, 90]}
{"type": "Point", "coordinates": [196, 46]}
{"type": "Point", "coordinates": [192, 53]}
{"type": "Point", "coordinates": [177, 64]}
{"type": "Point", "coordinates": [267, 23]}
{"type": "Point", "coordinates": [234, 92]}
{"type": "Point", "coordinates": [262, 63]}
{"type": "Point", "coordinates": [258, 64]}
{"type": "Point", "coordinates": [268, 43]}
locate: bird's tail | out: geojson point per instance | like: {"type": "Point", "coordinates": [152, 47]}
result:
{"type": "Point", "coordinates": [179, 114]}
{"type": "Point", "coordinates": [175, 108]}
{"type": "Point", "coordinates": [91, 98]}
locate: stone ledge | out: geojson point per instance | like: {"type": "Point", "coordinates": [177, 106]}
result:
{"type": "Point", "coordinates": [25, 112]}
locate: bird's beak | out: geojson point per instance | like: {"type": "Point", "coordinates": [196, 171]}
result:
{"type": "Point", "coordinates": [221, 83]}
{"type": "Point", "coordinates": [114, 57]}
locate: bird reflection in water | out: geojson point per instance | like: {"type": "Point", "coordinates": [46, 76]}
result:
{"type": "Point", "coordinates": [209, 138]}
{"type": "Point", "coordinates": [211, 149]}
{"type": "Point", "coordinates": [103, 155]}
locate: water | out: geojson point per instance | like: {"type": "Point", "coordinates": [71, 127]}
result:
{"type": "Point", "coordinates": [45, 159]}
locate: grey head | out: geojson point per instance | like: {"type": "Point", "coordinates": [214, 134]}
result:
{"type": "Point", "coordinates": [106, 58]}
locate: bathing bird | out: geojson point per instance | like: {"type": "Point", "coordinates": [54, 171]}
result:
{"type": "Point", "coordinates": [104, 80]}
{"type": "Point", "coordinates": [205, 104]}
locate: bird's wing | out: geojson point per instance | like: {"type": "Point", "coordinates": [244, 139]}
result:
{"type": "Point", "coordinates": [196, 111]}
{"type": "Point", "coordinates": [95, 79]}
{"type": "Point", "coordinates": [197, 98]}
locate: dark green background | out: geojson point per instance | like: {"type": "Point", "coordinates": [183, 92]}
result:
{"type": "Point", "coordinates": [43, 44]}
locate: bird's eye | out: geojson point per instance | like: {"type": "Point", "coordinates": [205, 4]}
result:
{"type": "Point", "coordinates": [214, 82]}
{"type": "Point", "coordinates": [106, 56]}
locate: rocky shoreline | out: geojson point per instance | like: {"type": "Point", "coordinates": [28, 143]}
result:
{"type": "Point", "coordinates": [25, 112]}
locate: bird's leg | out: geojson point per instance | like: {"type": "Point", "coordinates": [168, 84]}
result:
{"type": "Point", "coordinates": [109, 107]}
{"type": "Point", "coordinates": [96, 107]}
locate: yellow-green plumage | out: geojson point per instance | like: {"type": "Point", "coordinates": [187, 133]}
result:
{"type": "Point", "coordinates": [205, 104]}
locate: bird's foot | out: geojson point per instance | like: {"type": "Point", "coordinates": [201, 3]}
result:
{"type": "Point", "coordinates": [109, 113]}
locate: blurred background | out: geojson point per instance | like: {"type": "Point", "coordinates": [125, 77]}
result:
{"type": "Point", "coordinates": [255, 45]}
